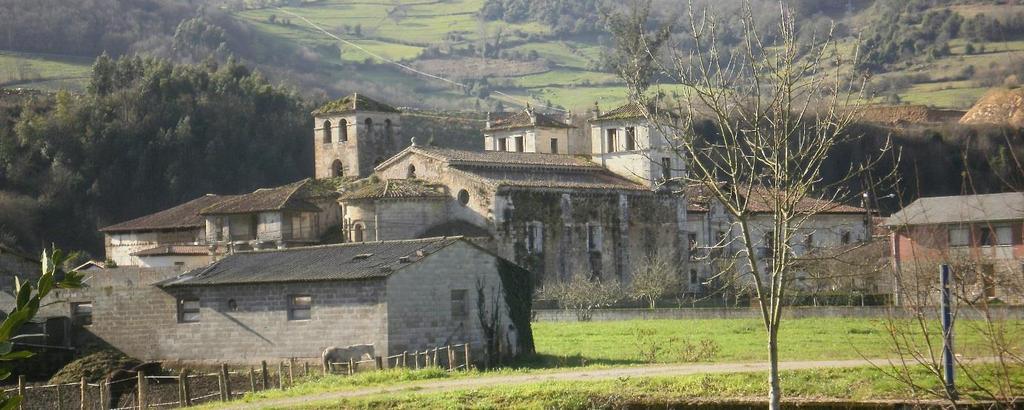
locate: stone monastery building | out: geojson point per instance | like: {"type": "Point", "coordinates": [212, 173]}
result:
{"type": "Point", "coordinates": [556, 199]}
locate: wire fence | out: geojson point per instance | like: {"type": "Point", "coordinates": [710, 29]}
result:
{"type": "Point", "coordinates": [137, 390]}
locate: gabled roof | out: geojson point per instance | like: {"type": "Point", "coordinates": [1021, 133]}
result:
{"type": "Point", "coordinates": [353, 103]}
{"type": "Point", "coordinates": [289, 197]}
{"type": "Point", "coordinates": [761, 202]}
{"type": "Point", "coordinates": [348, 261]}
{"type": "Point", "coordinates": [1007, 206]}
{"type": "Point", "coordinates": [528, 170]}
{"type": "Point", "coordinates": [166, 250]}
{"type": "Point", "coordinates": [396, 188]}
{"type": "Point", "coordinates": [527, 118]}
{"type": "Point", "coordinates": [184, 216]}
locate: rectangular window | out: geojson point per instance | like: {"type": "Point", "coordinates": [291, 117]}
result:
{"type": "Point", "coordinates": [630, 138]}
{"type": "Point", "coordinates": [300, 307]}
{"type": "Point", "coordinates": [959, 236]}
{"type": "Point", "coordinates": [554, 145]}
{"type": "Point", "coordinates": [502, 144]}
{"type": "Point", "coordinates": [188, 310]}
{"type": "Point", "coordinates": [460, 306]}
{"type": "Point", "coordinates": [610, 141]}
{"type": "Point", "coordinates": [534, 237]}
{"type": "Point", "coordinates": [666, 168]}
{"type": "Point", "coordinates": [519, 144]}
{"type": "Point", "coordinates": [986, 237]}
{"type": "Point", "coordinates": [1004, 235]}
{"type": "Point", "coordinates": [81, 313]}
{"type": "Point", "coordinates": [809, 242]}
{"type": "Point", "coordinates": [691, 241]}
{"type": "Point", "coordinates": [694, 278]}
{"type": "Point", "coordinates": [845, 238]}
{"type": "Point", "coordinates": [594, 238]}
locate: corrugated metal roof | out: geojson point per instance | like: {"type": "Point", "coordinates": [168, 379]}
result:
{"type": "Point", "coordinates": [962, 208]}
{"type": "Point", "coordinates": [348, 261]}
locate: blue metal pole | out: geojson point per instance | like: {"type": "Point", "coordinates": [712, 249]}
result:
{"type": "Point", "coordinates": [947, 333]}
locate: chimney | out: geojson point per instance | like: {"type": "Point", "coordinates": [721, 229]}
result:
{"type": "Point", "coordinates": [596, 111]}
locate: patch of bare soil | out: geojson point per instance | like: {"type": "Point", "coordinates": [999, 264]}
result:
{"type": "Point", "coordinates": [1000, 106]}
{"type": "Point", "coordinates": [908, 114]}
{"type": "Point", "coordinates": [463, 68]}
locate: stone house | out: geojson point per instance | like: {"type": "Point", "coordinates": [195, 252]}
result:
{"type": "Point", "coordinates": [353, 134]}
{"type": "Point", "coordinates": [271, 304]}
{"type": "Point", "coordinates": [980, 236]}
{"type": "Point", "coordinates": [291, 215]}
{"type": "Point", "coordinates": [531, 131]}
{"type": "Point", "coordinates": [172, 237]}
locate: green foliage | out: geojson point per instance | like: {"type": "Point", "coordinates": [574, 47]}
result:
{"type": "Point", "coordinates": [518, 288]}
{"type": "Point", "coordinates": [148, 135]}
{"type": "Point", "coordinates": [26, 305]}
{"type": "Point", "coordinates": [564, 17]}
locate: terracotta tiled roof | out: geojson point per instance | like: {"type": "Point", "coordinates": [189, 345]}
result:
{"type": "Point", "coordinates": [352, 103]}
{"type": "Point", "coordinates": [287, 197]}
{"type": "Point", "coordinates": [527, 118]}
{"type": "Point", "coordinates": [505, 159]}
{"type": "Point", "coordinates": [586, 178]}
{"type": "Point", "coordinates": [182, 216]}
{"type": "Point", "coordinates": [630, 111]}
{"type": "Point", "coordinates": [396, 188]}
{"type": "Point", "coordinates": [348, 261]}
{"type": "Point", "coordinates": [762, 196]}
{"type": "Point", "coordinates": [163, 250]}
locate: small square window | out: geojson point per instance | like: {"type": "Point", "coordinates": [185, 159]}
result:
{"type": "Point", "coordinates": [694, 277]}
{"type": "Point", "coordinates": [594, 238]}
{"type": "Point", "coordinates": [554, 145]}
{"type": "Point", "coordinates": [300, 307]}
{"type": "Point", "coordinates": [188, 310]}
{"type": "Point", "coordinates": [460, 308]}
{"type": "Point", "coordinates": [959, 236]}
{"type": "Point", "coordinates": [81, 313]}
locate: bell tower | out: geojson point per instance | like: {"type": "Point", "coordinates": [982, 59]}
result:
{"type": "Point", "coordinates": [353, 134]}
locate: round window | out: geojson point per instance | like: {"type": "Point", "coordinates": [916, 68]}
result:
{"type": "Point", "coordinates": [464, 197]}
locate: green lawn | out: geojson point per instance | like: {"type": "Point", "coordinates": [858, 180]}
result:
{"type": "Point", "coordinates": [43, 71]}
{"type": "Point", "coordinates": [740, 340]}
{"type": "Point", "coordinates": [938, 96]}
{"type": "Point", "coordinates": [864, 383]}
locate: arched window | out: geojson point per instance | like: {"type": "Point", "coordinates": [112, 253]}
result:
{"type": "Point", "coordinates": [337, 170]}
{"type": "Point", "coordinates": [327, 132]}
{"type": "Point", "coordinates": [464, 197]}
{"type": "Point", "coordinates": [411, 172]}
{"type": "Point", "coordinates": [369, 125]}
{"type": "Point", "coordinates": [357, 233]}
{"type": "Point", "coordinates": [343, 130]}
{"type": "Point", "coordinates": [387, 127]}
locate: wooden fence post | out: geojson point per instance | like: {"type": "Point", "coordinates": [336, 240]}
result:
{"type": "Point", "coordinates": [291, 371]}
{"type": "Point", "coordinates": [466, 348]}
{"type": "Point", "coordinates": [263, 373]}
{"type": "Point", "coordinates": [81, 393]}
{"type": "Point", "coordinates": [141, 396]}
{"type": "Point", "coordinates": [21, 391]}
{"type": "Point", "coordinates": [378, 362]}
{"type": "Point", "coordinates": [105, 393]}
{"type": "Point", "coordinates": [186, 389]}
{"type": "Point", "coordinates": [252, 379]}
{"type": "Point", "coordinates": [280, 375]}
{"type": "Point", "coordinates": [351, 366]}
{"type": "Point", "coordinates": [416, 360]}
{"type": "Point", "coordinates": [434, 361]}
{"type": "Point", "coordinates": [227, 381]}
{"type": "Point", "coordinates": [404, 354]}
{"type": "Point", "coordinates": [305, 369]}
{"type": "Point", "coordinates": [451, 358]}
{"type": "Point", "coordinates": [220, 385]}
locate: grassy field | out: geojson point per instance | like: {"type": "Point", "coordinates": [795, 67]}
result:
{"type": "Point", "coordinates": [740, 340]}
{"type": "Point", "coordinates": [43, 71]}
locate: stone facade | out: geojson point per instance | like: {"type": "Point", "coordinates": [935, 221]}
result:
{"type": "Point", "coordinates": [352, 144]}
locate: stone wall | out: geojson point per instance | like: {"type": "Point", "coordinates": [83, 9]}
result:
{"type": "Point", "coordinates": [364, 147]}
{"type": "Point", "coordinates": [420, 307]}
{"type": "Point", "coordinates": [142, 320]}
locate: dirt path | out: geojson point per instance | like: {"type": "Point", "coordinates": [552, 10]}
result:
{"type": "Point", "coordinates": [430, 386]}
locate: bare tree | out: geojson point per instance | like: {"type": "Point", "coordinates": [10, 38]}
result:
{"type": "Point", "coordinates": [583, 293]}
{"type": "Point", "coordinates": [654, 277]}
{"type": "Point", "coordinates": [778, 110]}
